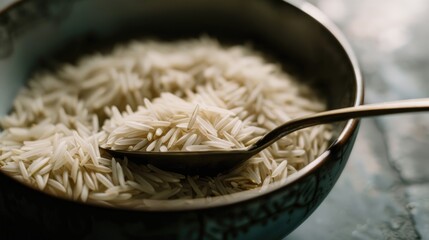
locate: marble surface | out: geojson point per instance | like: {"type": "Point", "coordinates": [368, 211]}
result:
{"type": "Point", "coordinates": [384, 191]}
{"type": "Point", "coordinates": [5, 3]}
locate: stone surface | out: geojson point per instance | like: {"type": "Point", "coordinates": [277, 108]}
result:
{"type": "Point", "coordinates": [5, 3]}
{"type": "Point", "coordinates": [384, 190]}
{"type": "Point", "coordinates": [418, 205]}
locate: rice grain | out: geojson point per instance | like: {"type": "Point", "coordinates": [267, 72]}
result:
{"type": "Point", "coordinates": [190, 95]}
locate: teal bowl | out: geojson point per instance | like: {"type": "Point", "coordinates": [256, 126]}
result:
{"type": "Point", "coordinates": [296, 33]}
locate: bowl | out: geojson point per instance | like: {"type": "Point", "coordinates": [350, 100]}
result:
{"type": "Point", "coordinates": [299, 35]}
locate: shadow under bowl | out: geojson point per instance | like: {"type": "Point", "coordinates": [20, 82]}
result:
{"type": "Point", "coordinates": [297, 34]}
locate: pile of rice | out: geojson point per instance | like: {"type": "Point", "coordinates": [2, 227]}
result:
{"type": "Point", "coordinates": [192, 95]}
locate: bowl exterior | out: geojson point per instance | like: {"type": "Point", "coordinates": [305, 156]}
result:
{"type": "Point", "coordinates": [270, 216]}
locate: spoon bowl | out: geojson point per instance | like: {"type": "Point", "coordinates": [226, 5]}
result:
{"type": "Point", "coordinates": [215, 162]}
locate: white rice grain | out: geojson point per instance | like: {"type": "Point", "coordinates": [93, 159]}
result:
{"type": "Point", "coordinates": [193, 95]}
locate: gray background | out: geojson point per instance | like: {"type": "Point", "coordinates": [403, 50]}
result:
{"type": "Point", "coordinates": [384, 191]}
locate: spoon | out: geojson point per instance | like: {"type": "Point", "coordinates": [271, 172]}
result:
{"type": "Point", "coordinates": [214, 162]}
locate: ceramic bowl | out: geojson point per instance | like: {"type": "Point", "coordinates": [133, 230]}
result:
{"type": "Point", "coordinates": [299, 36]}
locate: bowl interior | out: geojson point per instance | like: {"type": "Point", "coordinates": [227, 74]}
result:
{"type": "Point", "coordinates": [36, 33]}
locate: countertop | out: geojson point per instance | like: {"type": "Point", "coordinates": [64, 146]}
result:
{"type": "Point", "coordinates": [383, 193]}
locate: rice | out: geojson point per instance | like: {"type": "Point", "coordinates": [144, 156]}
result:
{"type": "Point", "coordinates": [193, 95]}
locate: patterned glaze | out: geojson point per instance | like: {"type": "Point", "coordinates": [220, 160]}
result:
{"type": "Point", "coordinates": [31, 31]}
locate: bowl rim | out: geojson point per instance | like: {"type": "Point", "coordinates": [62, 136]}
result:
{"type": "Point", "coordinates": [254, 194]}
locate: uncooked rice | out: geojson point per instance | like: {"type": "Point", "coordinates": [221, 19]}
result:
{"type": "Point", "coordinates": [193, 95]}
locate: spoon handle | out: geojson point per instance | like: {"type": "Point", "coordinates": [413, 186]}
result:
{"type": "Point", "coordinates": [341, 114]}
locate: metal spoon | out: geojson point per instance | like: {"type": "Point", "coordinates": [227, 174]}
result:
{"type": "Point", "coordinates": [214, 162]}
